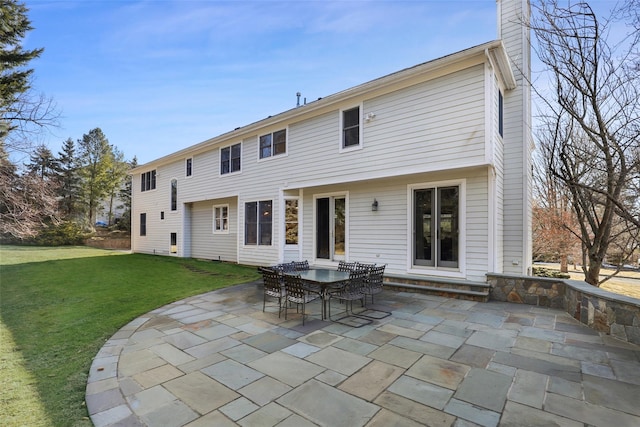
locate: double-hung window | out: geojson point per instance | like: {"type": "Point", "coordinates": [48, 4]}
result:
{"type": "Point", "coordinates": [258, 222]}
{"type": "Point", "coordinates": [273, 144]}
{"type": "Point", "coordinates": [148, 181]}
{"type": "Point", "coordinates": [221, 219]}
{"type": "Point", "coordinates": [189, 167]}
{"type": "Point", "coordinates": [351, 128]}
{"type": "Point", "coordinates": [230, 158]}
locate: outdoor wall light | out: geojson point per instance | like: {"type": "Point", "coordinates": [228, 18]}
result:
{"type": "Point", "coordinates": [374, 205]}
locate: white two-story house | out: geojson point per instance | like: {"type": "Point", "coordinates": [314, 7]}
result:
{"type": "Point", "coordinates": [426, 170]}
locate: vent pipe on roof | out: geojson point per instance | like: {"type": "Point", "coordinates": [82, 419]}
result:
{"type": "Point", "coordinates": [298, 94]}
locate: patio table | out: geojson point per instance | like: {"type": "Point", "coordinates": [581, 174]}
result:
{"type": "Point", "coordinates": [325, 278]}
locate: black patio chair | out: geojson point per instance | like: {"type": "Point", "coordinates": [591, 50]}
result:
{"type": "Point", "coordinates": [351, 291]}
{"type": "Point", "coordinates": [373, 283]}
{"type": "Point", "coordinates": [300, 265]}
{"type": "Point", "coordinates": [273, 287]}
{"type": "Point", "coordinates": [347, 266]}
{"type": "Point", "coordinates": [298, 294]}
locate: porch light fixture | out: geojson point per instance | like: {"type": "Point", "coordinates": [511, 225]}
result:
{"type": "Point", "coordinates": [374, 205]}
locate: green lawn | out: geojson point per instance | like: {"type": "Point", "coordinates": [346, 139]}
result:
{"type": "Point", "coordinates": [59, 305]}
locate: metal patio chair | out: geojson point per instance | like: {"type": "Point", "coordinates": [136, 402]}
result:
{"type": "Point", "coordinates": [351, 291]}
{"type": "Point", "coordinates": [273, 287]}
{"type": "Point", "coordinates": [297, 293]}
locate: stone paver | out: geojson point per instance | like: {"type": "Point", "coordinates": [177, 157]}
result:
{"type": "Point", "coordinates": [217, 359]}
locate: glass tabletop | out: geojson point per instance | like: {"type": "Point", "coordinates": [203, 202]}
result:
{"type": "Point", "coordinates": [323, 275]}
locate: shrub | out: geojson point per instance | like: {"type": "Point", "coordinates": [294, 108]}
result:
{"type": "Point", "coordinates": [63, 234]}
{"type": "Point", "coordinates": [546, 272]}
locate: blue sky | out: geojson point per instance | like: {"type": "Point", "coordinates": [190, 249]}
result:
{"type": "Point", "coordinates": [157, 76]}
{"type": "Point", "coordinates": [160, 75]}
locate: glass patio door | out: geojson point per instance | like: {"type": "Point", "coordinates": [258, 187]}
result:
{"type": "Point", "coordinates": [436, 227]}
{"type": "Point", "coordinates": [331, 228]}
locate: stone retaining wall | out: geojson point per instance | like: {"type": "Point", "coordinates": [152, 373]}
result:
{"type": "Point", "coordinates": [604, 311]}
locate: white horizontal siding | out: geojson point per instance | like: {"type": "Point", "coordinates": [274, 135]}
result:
{"type": "Point", "coordinates": [209, 245]}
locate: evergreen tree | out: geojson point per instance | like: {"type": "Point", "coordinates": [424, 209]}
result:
{"type": "Point", "coordinates": [96, 158]}
{"type": "Point", "coordinates": [43, 163]}
{"type": "Point", "coordinates": [69, 189]}
{"type": "Point", "coordinates": [117, 173]}
{"type": "Point", "coordinates": [125, 197]}
{"type": "Point", "coordinates": [18, 107]}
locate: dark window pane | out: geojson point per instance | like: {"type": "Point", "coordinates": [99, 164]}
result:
{"type": "Point", "coordinates": [351, 137]}
{"type": "Point", "coordinates": [143, 224]}
{"type": "Point", "coordinates": [351, 127]}
{"type": "Point", "coordinates": [265, 228]}
{"type": "Point", "coordinates": [265, 146]}
{"type": "Point", "coordinates": [251, 223]}
{"type": "Point", "coordinates": [423, 217]}
{"type": "Point", "coordinates": [280, 142]}
{"type": "Point", "coordinates": [448, 226]}
{"type": "Point", "coordinates": [189, 167]}
{"type": "Point", "coordinates": [174, 194]}
{"type": "Point", "coordinates": [351, 117]}
{"type": "Point", "coordinates": [323, 227]}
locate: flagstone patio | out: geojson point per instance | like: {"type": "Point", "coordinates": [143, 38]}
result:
{"type": "Point", "coordinates": [217, 359]}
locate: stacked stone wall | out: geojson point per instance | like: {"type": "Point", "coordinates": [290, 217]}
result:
{"type": "Point", "coordinates": [604, 311]}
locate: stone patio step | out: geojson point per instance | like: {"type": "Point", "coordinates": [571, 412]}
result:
{"type": "Point", "coordinates": [448, 288]}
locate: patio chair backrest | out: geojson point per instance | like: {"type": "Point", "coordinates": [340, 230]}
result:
{"type": "Point", "coordinates": [361, 265]}
{"type": "Point", "coordinates": [294, 287]}
{"type": "Point", "coordinates": [357, 280]}
{"type": "Point", "coordinates": [347, 266]}
{"type": "Point", "coordinates": [376, 275]}
{"type": "Point", "coordinates": [271, 280]}
{"type": "Point", "coordinates": [300, 265]}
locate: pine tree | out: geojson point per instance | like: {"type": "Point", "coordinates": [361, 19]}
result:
{"type": "Point", "coordinates": [96, 157]}
{"type": "Point", "coordinates": [18, 108]}
{"type": "Point", "coordinates": [43, 163]}
{"type": "Point", "coordinates": [69, 189]}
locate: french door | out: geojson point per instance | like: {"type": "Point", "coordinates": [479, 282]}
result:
{"type": "Point", "coordinates": [436, 219]}
{"type": "Point", "coordinates": [331, 228]}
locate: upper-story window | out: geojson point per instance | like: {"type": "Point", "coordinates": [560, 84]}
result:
{"type": "Point", "coordinates": [230, 158]}
{"type": "Point", "coordinates": [273, 144]}
{"type": "Point", "coordinates": [189, 167]}
{"type": "Point", "coordinates": [350, 120]}
{"type": "Point", "coordinates": [500, 114]}
{"type": "Point", "coordinates": [174, 194]}
{"type": "Point", "coordinates": [148, 181]}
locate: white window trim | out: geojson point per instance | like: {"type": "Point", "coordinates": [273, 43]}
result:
{"type": "Point", "coordinates": [272, 156]}
{"type": "Point", "coordinates": [222, 231]}
{"type": "Point", "coordinates": [459, 272]}
{"type": "Point", "coordinates": [220, 159]}
{"type": "Point", "coordinates": [343, 149]}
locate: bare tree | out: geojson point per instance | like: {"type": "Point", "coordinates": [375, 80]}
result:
{"type": "Point", "coordinates": [27, 202]}
{"type": "Point", "coordinates": [592, 122]}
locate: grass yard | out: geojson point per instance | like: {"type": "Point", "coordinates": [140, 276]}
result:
{"type": "Point", "coordinates": [59, 305]}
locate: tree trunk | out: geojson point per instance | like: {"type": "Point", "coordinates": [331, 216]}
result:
{"type": "Point", "coordinates": [592, 275]}
{"type": "Point", "coordinates": [564, 266]}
